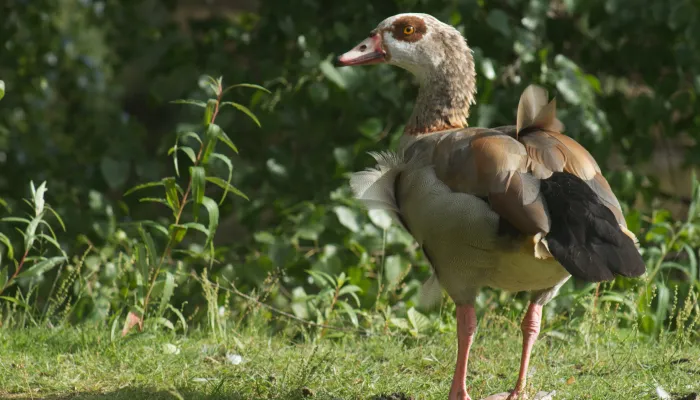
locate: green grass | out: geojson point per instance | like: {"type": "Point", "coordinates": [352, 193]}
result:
{"type": "Point", "coordinates": [603, 363]}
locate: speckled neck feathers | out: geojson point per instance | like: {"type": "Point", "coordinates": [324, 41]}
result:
{"type": "Point", "coordinates": [447, 91]}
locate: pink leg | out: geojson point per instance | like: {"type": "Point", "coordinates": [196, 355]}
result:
{"type": "Point", "coordinates": [466, 325]}
{"type": "Point", "coordinates": [531, 328]}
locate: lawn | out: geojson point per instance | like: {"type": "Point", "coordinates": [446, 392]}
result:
{"type": "Point", "coordinates": [592, 361]}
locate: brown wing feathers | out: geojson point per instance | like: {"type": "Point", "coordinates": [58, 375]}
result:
{"type": "Point", "coordinates": [587, 233]}
{"type": "Point", "coordinates": [527, 172]}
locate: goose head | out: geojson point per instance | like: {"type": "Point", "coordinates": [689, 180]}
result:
{"type": "Point", "coordinates": [436, 54]}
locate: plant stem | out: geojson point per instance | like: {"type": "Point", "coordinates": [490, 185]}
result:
{"type": "Point", "coordinates": [169, 246]}
{"type": "Point", "coordinates": [19, 268]}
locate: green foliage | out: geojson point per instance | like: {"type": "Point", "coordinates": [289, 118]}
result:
{"type": "Point", "coordinates": [88, 110]}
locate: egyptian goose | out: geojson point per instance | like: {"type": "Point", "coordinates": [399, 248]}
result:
{"type": "Point", "coordinates": [519, 208]}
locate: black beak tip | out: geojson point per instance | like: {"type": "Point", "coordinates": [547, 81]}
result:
{"type": "Point", "coordinates": [336, 62]}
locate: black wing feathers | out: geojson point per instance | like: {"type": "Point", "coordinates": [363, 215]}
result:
{"type": "Point", "coordinates": [585, 236]}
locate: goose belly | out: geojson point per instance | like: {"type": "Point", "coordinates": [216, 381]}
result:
{"type": "Point", "coordinates": [459, 234]}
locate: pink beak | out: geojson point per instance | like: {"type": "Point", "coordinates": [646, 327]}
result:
{"type": "Point", "coordinates": [368, 52]}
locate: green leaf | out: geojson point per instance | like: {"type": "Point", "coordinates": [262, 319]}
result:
{"type": "Point", "coordinates": [227, 141]}
{"type": "Point", "coordinates": [226, 186]}
{"type": "Point", "coordinates": [2, 89]}
{"type": "Point", "coordinates": [193, 135]}
{"type": "Point", "coordinates": [156, 226]}
{"type": "Point", "coordinates": [171, 194]}
{"type": "Point", "coordinates": [177, 232]}
{"type": "Point", "coordinates": [168, 289]}
{"type": "Point", "coordinates": [190, 153]}
{"type": "Point", "coordinates": [347, 218]}
{"type": "Point", "coordinates": [30, 232]}
{"type": "Point", "coordinates": [498, 20]}
{"type": "Point", "coordinates": [212, 137]}
{"type": "Point", "coordinates": [143, 186]}
{"type": "Point", "coordinates": [246, 85]}
{"type": "Point", "coordinates": [196, 226]}
{"type": "Point", "coordinates": [209, 112]}
{"type": "Point", "coordinates": [244, 109]}
{"type": "Point", "coordinates": [150, 245]}
{"type": "Point", "coordinates": [229, 165]}
{"type": "Point", "coordinates": [41, 267]}
{"type": "Point", "coordinates": [198, 177]}
{"type": "Point", "coordinates": [418, 321]}
{"type": "Point", "coordinates": [115, 172]}
{"type": "Point", "coordinates": [142, 261]}
{"type": "Point", "coordinates": [191, 102]}
{"type": "Point", "coordinates": [154, 200]}
{"type": "Point", "coordinates": [213, 211]}
{"type": "Point", "coordinates": [8, 245]}
{"type": "Point", "coordinates": [332, 74]}
{"type": "Point", "coordinates": [350, 312]}
{"type": "Point", "coordinates": [3, 278]}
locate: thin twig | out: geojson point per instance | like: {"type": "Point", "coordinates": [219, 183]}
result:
{"type": "Point", "coordinates": [280, 312]}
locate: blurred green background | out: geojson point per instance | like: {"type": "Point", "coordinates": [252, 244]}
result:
{"type": "Point", "coordinates": [87, 109]}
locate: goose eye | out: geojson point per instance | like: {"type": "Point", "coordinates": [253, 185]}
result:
{"type": "Point", "coordinates": [408, 30]}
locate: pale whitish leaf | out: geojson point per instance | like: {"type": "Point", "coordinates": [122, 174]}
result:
{"type": "Point", "coordinates": [213, 210]}
{"type": "Point", "coordinates": [168, 289]}
{"type": "Point", "coordinates": [191, 102]}
{"type": "Point", "coordinates": [399, 323]}
{"type": "Point", "coordinates": [418, 321]}
{"type": "Point", "coordinates": [29, 236]}
{"type": "Point", "coordinates": [2, 89]}
{"type": "Point", "coordinates": [244, 109]}
{"type": "Point", "coordinates": [8, 246]}
{"type": "Point", "coordinates": [142, 186]}
{"type": "Point", "coordinates": [164, 322]}
{"type": "Point", "coordinates": [393, 267]}
{"type": "Point", "coordinates": [380, 218]}
{"type": "Point", "coordinates": [347, 218]}
{"type": "Point", "coordinates": [41, 267]}
{"type": "Point", "coordinates": [332, 74]}
{"type": "Point", "coordinates": [226, 186]}
{"type": "Point", "coordinates": [488, 70]}
{"type": "Point", "coordinates": [169, 348]}
{"type": "Point", "coordinates": [38, 196]}
{"type": "Point", "coordinates": [246, 85]}
{"type": "Point", "coordinates": [350, 312]}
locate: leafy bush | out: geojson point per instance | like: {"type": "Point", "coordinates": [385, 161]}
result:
{"type": "Point", "coordinates": [87, 111]}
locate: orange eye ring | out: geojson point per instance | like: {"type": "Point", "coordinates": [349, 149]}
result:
{"type": "Point", "coordinates": [409, 30]}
